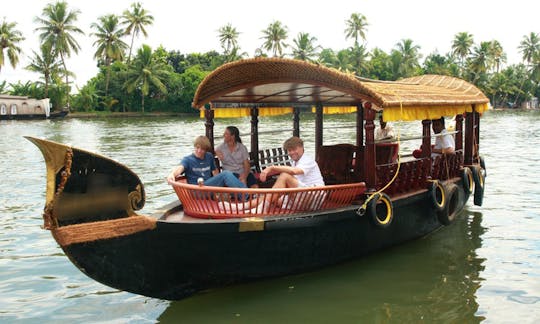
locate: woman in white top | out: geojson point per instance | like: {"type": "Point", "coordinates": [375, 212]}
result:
{"type": "Point", "coordinates": [234, 156]}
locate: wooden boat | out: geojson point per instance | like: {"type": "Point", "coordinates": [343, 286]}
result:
{"type": "Point", "coordinates": [373, 200]}
{"type": "Point", "coordinates": [22, 107]}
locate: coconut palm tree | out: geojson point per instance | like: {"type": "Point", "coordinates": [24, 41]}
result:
{"type": "Point", "coordinates": [9, 37]}
{"type": "Point", "coordinates": [145, 71]}
{"type": "Point", "coordinates": [356, 27]}
{"type": "Point", "coordinates": [409, 57]}
{"type": "Point", "coordinates": [56, 32]}
{"type": "Point", "coordinates": [304, 47]}
{"type": "Point", "coordinates": [480, 61]}
{"type": "Point", "coordinates": [461, 47]}
{"type": "Point", "coordinates": [529, 46]}
{"type": "Point", "coordinates": [228, 37]}
{"type": "Point", "coordinates": [47, 64]}
{"type": "Point", "coordinates": [110, 46]}
{"type": "Point", "coordinates": [136, 20]}
{"type": "Point", "coordinates": [497, 54]}
{"type": "Point", "coordinates": [274, 38]}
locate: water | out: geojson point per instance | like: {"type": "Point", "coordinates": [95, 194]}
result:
{"type": "Point", "coordinates": [483, 268]}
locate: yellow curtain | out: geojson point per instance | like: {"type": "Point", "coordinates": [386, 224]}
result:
{"type": "Point", "coordinates": [428, 112]}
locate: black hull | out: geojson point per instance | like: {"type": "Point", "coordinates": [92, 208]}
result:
{"type": "Point", "coordinates": [175, 260]}
{"type": "Point", "coordinates": [60, 114]}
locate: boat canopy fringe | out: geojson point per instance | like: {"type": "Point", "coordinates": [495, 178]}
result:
{"type": "Point", "coordinates": [278, 82]}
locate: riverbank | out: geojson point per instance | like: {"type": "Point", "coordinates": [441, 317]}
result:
{"type": "Point", "coordinates": [101, 114]}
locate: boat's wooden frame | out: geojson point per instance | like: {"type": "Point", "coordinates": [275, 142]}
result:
{"type": "Point", "coordinates": [194, 244]}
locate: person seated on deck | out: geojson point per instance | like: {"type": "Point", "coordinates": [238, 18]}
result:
{"type": "Point", "coordinates": [234, 156]}
{"type": "Point", "coordinates": [385, 131]}
{"type": "Point", "coordinates": [303, 171]}
{"type": "Point", "coordinates": [200, 165]}
{"type": "Point", "coordinates": [444, 142]}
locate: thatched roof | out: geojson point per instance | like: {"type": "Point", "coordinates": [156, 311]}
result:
{"type": "Point", "coordinates": [281, 82]}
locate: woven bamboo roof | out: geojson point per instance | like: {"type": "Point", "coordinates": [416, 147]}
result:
{"type": "Point", "coordinates": [279, 82]}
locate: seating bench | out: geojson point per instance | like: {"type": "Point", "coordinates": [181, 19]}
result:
{"type": "Point", "coordinates": [268, 157]}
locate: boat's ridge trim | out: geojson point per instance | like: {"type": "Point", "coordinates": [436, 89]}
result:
{"type": "Point", "coordinates": [89, 232]}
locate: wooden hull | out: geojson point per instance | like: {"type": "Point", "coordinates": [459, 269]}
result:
{"type": "Point", "coordinates": [59, 114]}
{"type": "Point", "coordinates": [90, 210]}
{"type": "Point", "coordinates": [175, 260]}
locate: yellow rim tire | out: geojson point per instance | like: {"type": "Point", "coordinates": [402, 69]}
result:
{"type": "Point", "coordinates": [381, 210]}
{"type": "Point", "coordinates": [437, 195]}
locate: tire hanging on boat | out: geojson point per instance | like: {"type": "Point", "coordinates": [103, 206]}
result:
{"type": "Point", "coordinates": [467, 180]}
{"type": "Point", "coordinates": [449, 212]}
{"type": "Point", "coordinates": [380, 214]}
{"type": "Point", "coordinates": [479, 184]}
{"type": "Point", "coordinates": [437, 195]}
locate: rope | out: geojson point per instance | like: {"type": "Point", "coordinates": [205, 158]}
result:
{"type": "Point", "coordinates": [49, 221]}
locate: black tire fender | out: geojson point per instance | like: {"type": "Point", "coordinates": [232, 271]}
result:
{"type": "Point", "coordinates": [467, 180]}
{"type": "Point", "coordinates": [479, 184]}
{"type": "Point", "coordinates": [448, 214]}
{"type": "Point", "coordinates": [437, 195]}
{"type": "Point", "coordinates": [380, 210]}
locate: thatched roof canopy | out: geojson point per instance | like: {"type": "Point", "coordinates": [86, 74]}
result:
{"type": "Point", "coordinates": [285, 82]}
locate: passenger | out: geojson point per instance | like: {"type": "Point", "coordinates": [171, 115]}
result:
{"type": "Point", "coordinates": [234, 156]}
{"type": "Point", "coordinates": [444, 142]}
{"type": "Point", "coordinates": [200, 165]}
{"type": "Point", "coordinates": [384, 131]}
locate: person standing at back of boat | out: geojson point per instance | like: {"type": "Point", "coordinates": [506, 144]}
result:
{"type": "Point", "coordinates": [234, 156]}
{"type": "Point", "coordinates": [444, 142]}
{"type": "Point", "coordinates": [384, 131]}
{"type": "Point", "coordinates": [200, 168]}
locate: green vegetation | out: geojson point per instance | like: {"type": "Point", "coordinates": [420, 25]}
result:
{"type": "Point", "coordinates": [165, 81]}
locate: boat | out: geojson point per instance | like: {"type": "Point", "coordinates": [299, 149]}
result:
{"type": "Point", "coordinates": [23, 107]}
{"type": "Point", "coordinates": [373, 198]}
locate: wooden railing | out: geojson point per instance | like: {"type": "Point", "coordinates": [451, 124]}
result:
{"type": "Point", "coordinates": [222, 202]}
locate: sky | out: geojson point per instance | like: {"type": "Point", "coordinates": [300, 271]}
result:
{"type": "Point", "coordinates": [191, 26]}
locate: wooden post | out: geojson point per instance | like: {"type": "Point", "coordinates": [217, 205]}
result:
{"type": "Point", "coordinates": [254, 112]}
{"type": "Point", "coordinates": [369, 153]}
{"type": "Point", "coordinates": [459, 134]}
{"type": "Point", "coordinates": [296, 121]}
{"type": "Point", "coordinates": [209, 125]}
{"type": "Point", "coordinates": [476, 148]}
{"type": "Point", "coordinates": [426, 138]}
{"type": "Point", "coordinates": [318, 127]}
{"type": "Point", "coordinates": [359, 141]}
{"type": "Point", "coordinates": [469, 138]}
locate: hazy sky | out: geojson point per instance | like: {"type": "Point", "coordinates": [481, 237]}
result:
{"type": "Point", "coordinates": [192, 25]}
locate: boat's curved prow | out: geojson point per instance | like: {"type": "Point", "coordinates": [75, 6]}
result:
{"type": "Point", "coordinates": [85, 187]}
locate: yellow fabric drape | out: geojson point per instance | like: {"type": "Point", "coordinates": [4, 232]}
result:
{"type": "Point", "coordinates": [245, 112]}
{"type": "Point", "coordinates": [428, 112]}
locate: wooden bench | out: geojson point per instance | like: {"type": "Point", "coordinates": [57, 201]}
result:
{"type": "Point", "coordinates": [268, 157]}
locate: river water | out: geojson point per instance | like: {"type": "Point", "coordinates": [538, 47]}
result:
{"type": "Point", "coordinates": [483, 268]}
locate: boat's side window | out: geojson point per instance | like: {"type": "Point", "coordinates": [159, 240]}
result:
{"type": "Point", "coordinates": [14, 109]}
{"type": "Point", "coordinates": [3, 109]}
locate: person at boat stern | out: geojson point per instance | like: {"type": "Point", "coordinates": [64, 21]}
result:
{"type": "Point", "coordinates": [234, 156]}
{"type": "Point", "coordinates": [385, 131]}
{"type": "Point", "coordinates": [200, 165]}
{"type": "Point", "coordinates": [444, 142]}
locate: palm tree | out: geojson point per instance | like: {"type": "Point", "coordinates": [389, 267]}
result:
{"type": "Point", "coordinates": [497, 54]}
{"type": "Point", "coordinates": [461, 46]}
{"type": "Point", "coordinates": [481, 61]}
{"type": "Point", "coordinates": [275, 36]}
{"type": "Point", "coordinates": [47, 64]}
{"type": "Point", "coordinates": [110, 46]}
{"type": "Point", "coordinates": [304, 47]}
{"type": "Point", "coordinates": [56, 32]}
{"type": "Point", "coordinates": [529, 46]}
{"type": "Point", "coordinates": [136, 20]}
{"type": "Point", "coordinates": [228, 37]}
{"type": "Point", "coordinates": [9, 37]}
{"type": "Point", "coordinates": [145, 71]}
{"type": "Point", "coordinates": [356, 27]}
{"type": "Point", "coordinates": [409, 57]}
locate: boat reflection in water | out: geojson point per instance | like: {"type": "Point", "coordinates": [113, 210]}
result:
{"type": "Point", "coordinates": [374, 197]}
